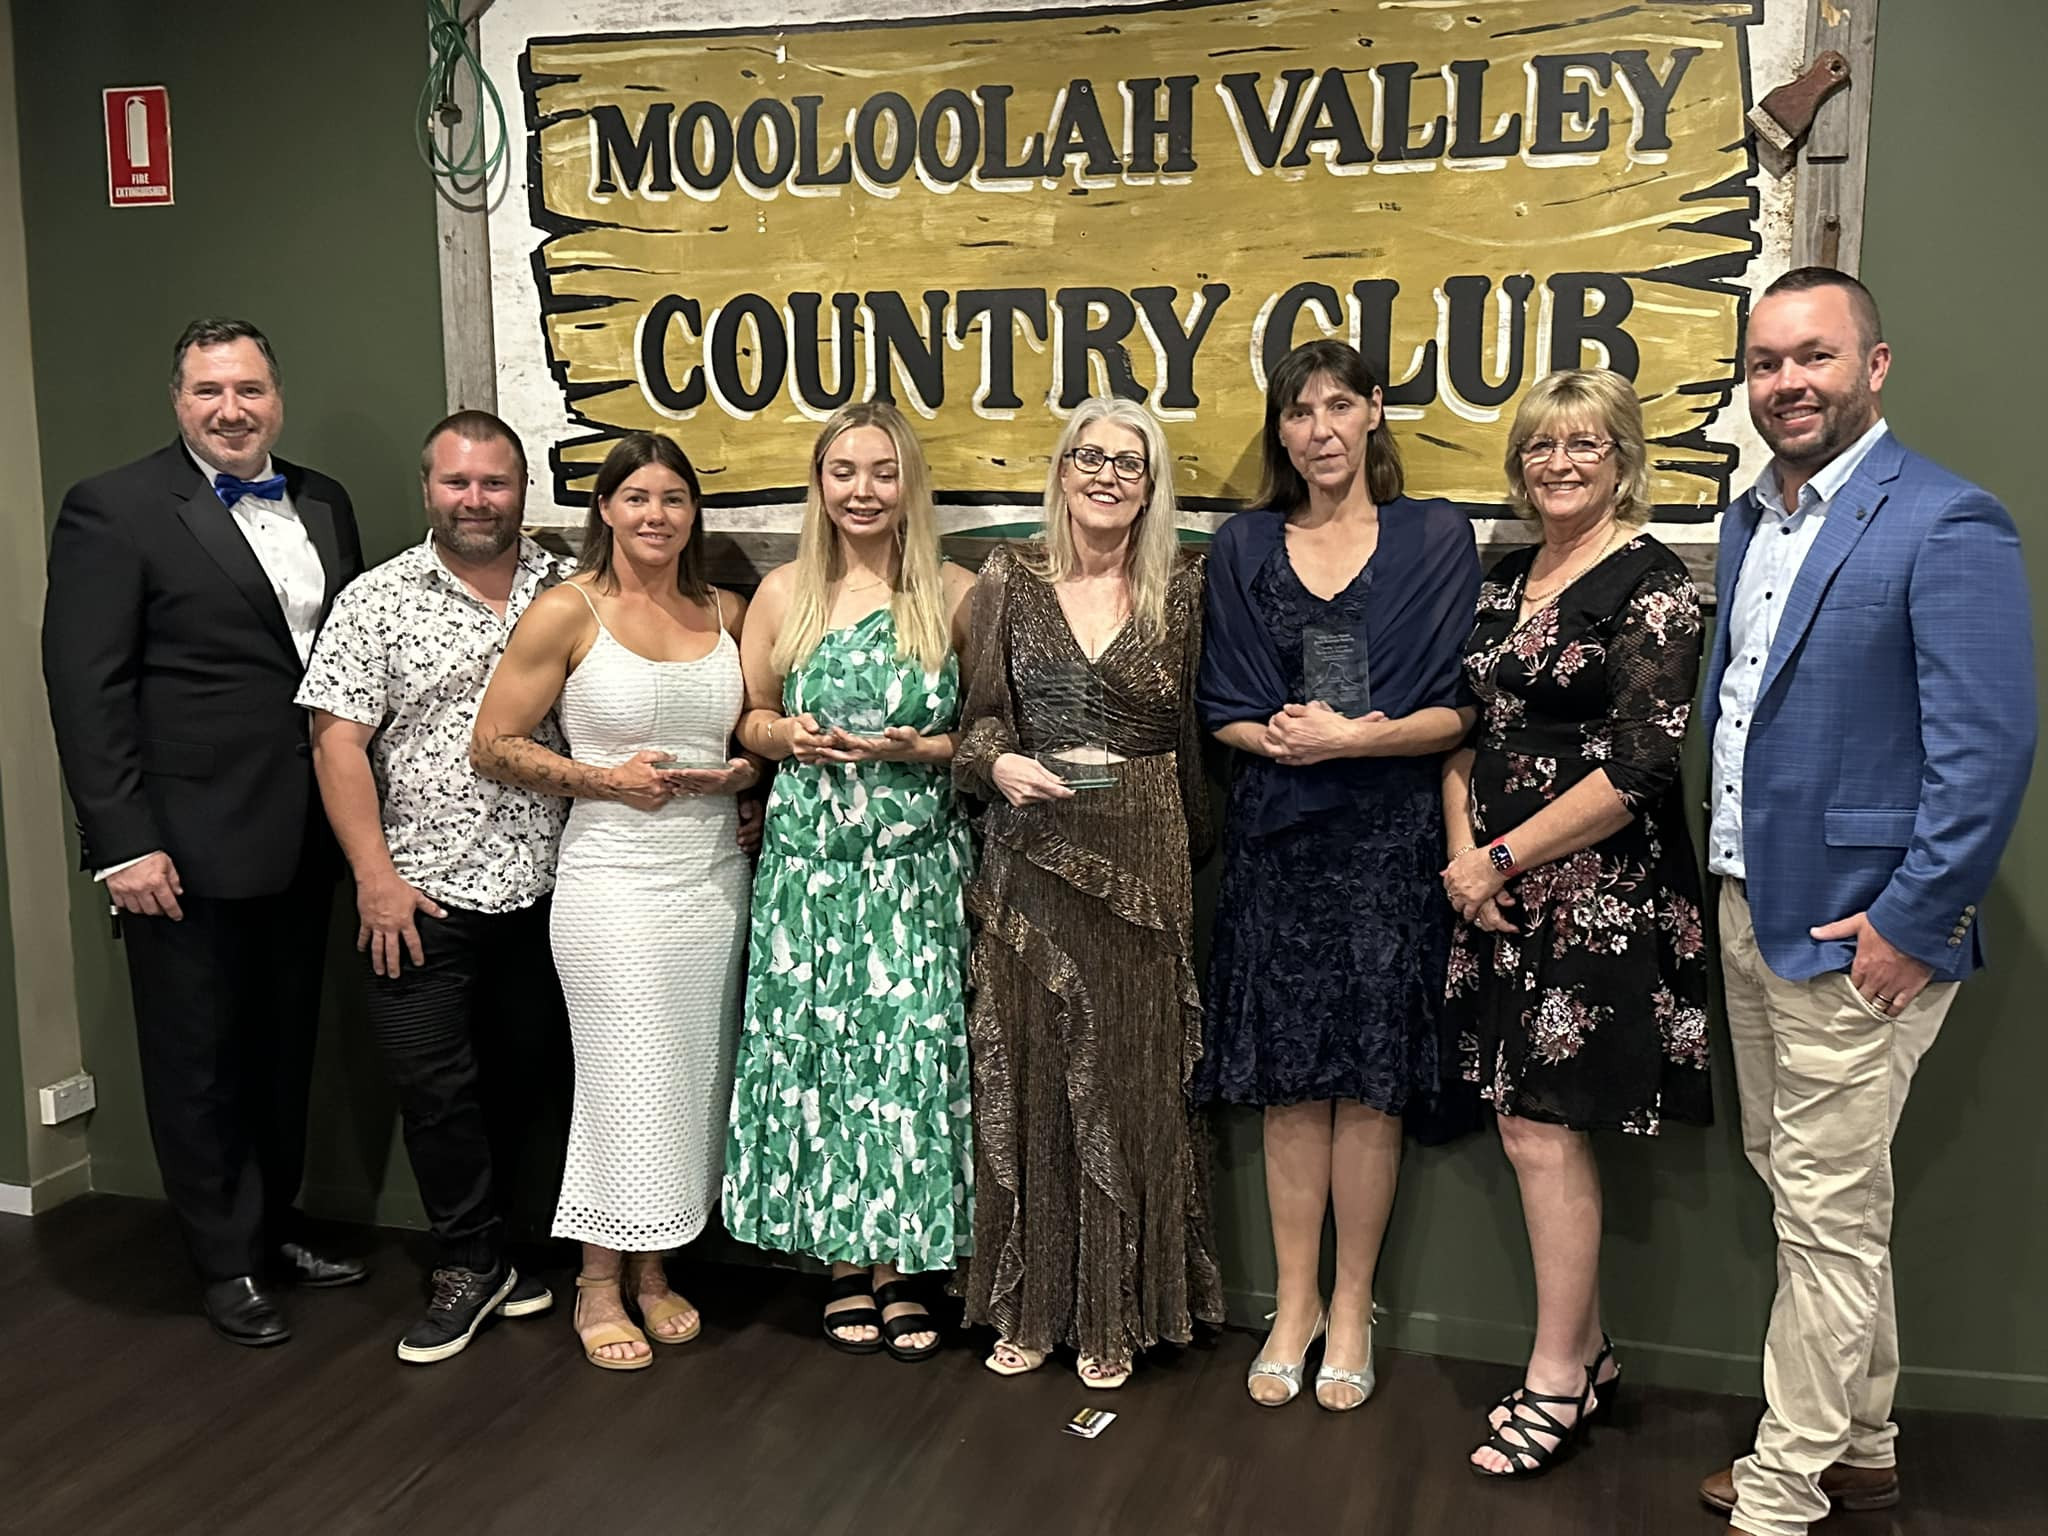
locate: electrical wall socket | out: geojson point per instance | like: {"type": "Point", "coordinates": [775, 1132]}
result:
{"type": "Point", "coordinates": [67, 1100]}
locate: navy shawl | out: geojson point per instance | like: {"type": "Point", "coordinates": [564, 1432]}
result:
{"type": "Point", "coordinates": [1424, 586]}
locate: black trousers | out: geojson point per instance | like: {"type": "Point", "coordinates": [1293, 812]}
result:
{"type": "Point", "coordinates": [227, 1004]}
{"type": "Point", "coordinates": [477, 1044]}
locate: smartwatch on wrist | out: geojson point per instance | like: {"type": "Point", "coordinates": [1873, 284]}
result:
{"type": "Point", "coordinates": [1501, 856]}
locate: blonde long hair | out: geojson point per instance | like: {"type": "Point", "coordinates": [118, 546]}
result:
{"type": "Point", "coordinates": [919, 603]}
{"type": "Point", "coordinates": [1155, 540]}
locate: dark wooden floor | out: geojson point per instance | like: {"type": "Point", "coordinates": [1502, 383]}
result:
{"type": "Point", "coordinates": [119, 1412]}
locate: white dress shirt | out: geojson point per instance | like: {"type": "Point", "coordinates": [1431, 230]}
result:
{"type": "Point", "coordinates": [1777, 550]}
{"type": "Point", "coordinates": [284, 549]}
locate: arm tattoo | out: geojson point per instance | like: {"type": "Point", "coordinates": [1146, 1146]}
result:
{"type": "Point", "coordinates": [525, 763]}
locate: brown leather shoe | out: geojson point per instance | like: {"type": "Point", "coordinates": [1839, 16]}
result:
{"type": "Point", "coordinates": [1854, 1489]}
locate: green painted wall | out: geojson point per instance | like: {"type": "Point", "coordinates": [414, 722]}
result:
{"type": "Point", "coordinates": [349, 293]}
{"type": "Point", "coordinates": [305, 209]}
{"type": "Point", "coordinates": [13, 1111]}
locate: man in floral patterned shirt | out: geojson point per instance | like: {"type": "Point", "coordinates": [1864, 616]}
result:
{"type": "Point", "coordinates": [453, 872]}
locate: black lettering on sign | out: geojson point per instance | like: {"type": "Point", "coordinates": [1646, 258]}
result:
{"type": "Point", "coordinates": [1465, 300]}
{"type": "Point", "coordinates": [1375, 297]}
{"type": "Point", "coordinates": [1397, 105]}
{"type": "Point", "coordinates": [1573, 326]}
{"type": "Point", "coordinates": [1286, 312]}
{"type": "Point", "coordinates": [996, 164]}
{"type": "Point", "coordinates": [1080, 335]}
{"type": "Point", "coordinates": [965, 138]}
{"type": "Point", "coordinates": [998, 310]}
{"type": "Point", "coordinates": [1333, 120]}
{"type": "Point", "coordinates": [1261, 133]}
{"type": "Point", "coordinates": [1557, 100]}
{"type": "Point", "coordinates": [1079, 133]}
{"type": "Point", "coordinates": [654, 374]}
{"type": "Point", "coordinates": [704, 125]}
{"type": "Point", "coordinates": [807, 349]}
{"type": "Point", "coordinates": [922, 355]}
{"type": "Point", "coordinates": [885, 162]}
{"type": "Point", "coordinates": [1145, 130]}
{"type": "Point", "coordinates": [808, 172]}
{"type": "Point", "coordinates": [1653, 96]}
{"type": "Point", "coordinates": [620, 151]}
{"type": "Point", "coordinates": [1469, 141]}
{"type": "Point", "coordinates": [772, 170]}
{"type": "Point", "coordinates": [1178, 346]}
{"type": "Point", "coordinates": [726, 353]}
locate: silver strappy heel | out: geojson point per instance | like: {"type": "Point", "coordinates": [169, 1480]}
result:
{"type": "Point", "coordinates": [1360, 1381]}
{"type": "Point", "coordinates": [1288, 1372]}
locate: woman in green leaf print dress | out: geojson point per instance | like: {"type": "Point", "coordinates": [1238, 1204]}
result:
{"type": "Point", "coordinates": [850, 1137]}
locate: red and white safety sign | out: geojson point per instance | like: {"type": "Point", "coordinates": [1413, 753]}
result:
{"type": "Point", "coordinates": [138, 145]}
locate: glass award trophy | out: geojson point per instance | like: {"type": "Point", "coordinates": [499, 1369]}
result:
{"type": "Point", "coordinates": [1076, 727]}
{"type": "Point", "coordinates": [693, 757]}
{"type": "Point", "coordinates": [856, 717]}
{"type": "Point", "coordinates": [1335, 669]}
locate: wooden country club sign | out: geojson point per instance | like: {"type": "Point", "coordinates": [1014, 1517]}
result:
{"type": "Point", "coordinates": [729, 231]}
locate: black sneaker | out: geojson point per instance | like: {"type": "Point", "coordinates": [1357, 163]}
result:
{"type": "Point", "coordinates": [529, 1297]}
{"type": "Point", "coordinates": [462, 1299]}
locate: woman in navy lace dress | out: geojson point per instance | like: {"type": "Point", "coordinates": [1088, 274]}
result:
{"type": "Point", "coordinates": [1331, 928]}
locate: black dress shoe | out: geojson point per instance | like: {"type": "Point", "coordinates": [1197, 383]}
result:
{"type": "Point", "coordinates": [300, 1265]}
{"type": "Point", "coordinates": [242, 1312]}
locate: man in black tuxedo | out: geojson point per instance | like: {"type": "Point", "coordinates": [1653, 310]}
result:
{"type": "Point", "coordinates": [185, 590]}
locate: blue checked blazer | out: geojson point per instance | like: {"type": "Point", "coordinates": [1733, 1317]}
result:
{"type": "Point", "coordinates": [1894, 728]}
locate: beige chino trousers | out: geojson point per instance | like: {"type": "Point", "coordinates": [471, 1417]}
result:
{"type": "Point", "coordinates": [1822, 1077]}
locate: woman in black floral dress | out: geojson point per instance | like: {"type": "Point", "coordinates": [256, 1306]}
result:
{"type": "Point", "coordinates": [1578, 978]}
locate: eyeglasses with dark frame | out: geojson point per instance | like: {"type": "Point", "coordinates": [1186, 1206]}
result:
{"type": "Point", "coordinates": [1580, 449]}
{"type": "Point", "coordinates": [1089, 459]}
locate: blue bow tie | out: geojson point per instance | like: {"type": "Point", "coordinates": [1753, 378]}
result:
{"type": "Point", "coordinates": [231, 488]}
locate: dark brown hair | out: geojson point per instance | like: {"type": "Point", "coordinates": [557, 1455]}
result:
{"type": "Point", "coordinates": [476, 427]}
{"type": "Point", "coordinates": [214, 331]}
{"type": "Point", "coordinates": [630, 454]}
{"type": "Point", "coordinates": [1869, 325]}
{"type": "Point", "coordinates": [1282, 487]}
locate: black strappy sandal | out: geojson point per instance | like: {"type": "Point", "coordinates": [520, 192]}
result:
{"type": "Point", "coordinates": [1527, 1418]}
{"type": "Point", "coordinates": [843, 1286]}
{"type": "Point", "coordinates": [1605, 1393]}
{"type": "Point", "coordinates": [897, 1293]}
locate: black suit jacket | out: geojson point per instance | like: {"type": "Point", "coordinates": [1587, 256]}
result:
{"type": "Point", "coordinates": [171, 673]}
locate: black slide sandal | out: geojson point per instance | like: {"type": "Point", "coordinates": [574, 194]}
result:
{"type": "Point", "coordinates": [855, 1284]}
{"type": "Point", "coordinates": [897, 1293]}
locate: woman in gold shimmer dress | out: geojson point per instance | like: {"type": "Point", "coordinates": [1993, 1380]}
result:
{"type": "Point", "coordinates": [1091, 1219]}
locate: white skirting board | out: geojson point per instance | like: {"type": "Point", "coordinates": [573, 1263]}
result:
{"type": "Point", "coordinates": [16, 1200]}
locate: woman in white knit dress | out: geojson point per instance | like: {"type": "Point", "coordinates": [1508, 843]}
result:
{"type": "Point", "coordinates": [640, 658]}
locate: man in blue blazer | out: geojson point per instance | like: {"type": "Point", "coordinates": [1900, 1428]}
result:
{"type": "Point", "coordinates": [1870, 703]}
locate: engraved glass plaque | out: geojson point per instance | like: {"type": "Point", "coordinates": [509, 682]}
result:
{"type": "Point", "coordinates": [690, 761]}
{"type": "Point", "coordinates": [692, 757]}
{"type": "Point", "coordinates": [1076, 745]}
{"type": "Point", "coordinates": [856, 717]}
{"type": "Point", "coordinates": [1335, 669]}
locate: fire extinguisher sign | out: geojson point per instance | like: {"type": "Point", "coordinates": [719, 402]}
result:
{"type": "Point", "coordinates": [138, 146]}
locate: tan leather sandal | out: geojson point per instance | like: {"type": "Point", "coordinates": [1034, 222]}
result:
{"type": "Point", "coordinates": [602, 1334]}
{"type": "Point", "coordinates": [656, 1310]}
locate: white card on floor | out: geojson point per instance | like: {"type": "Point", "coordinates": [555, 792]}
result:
{"type": "Point", "coordinates": [1089, 1422]}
